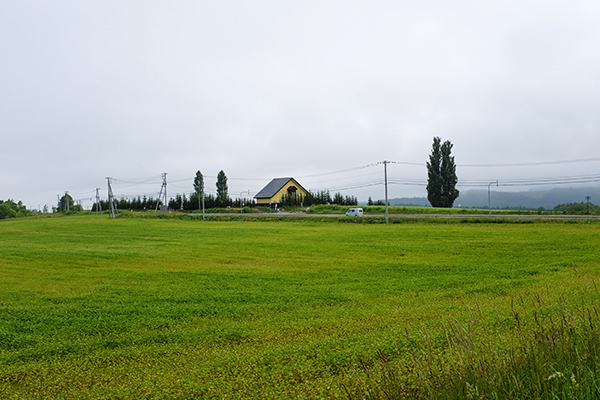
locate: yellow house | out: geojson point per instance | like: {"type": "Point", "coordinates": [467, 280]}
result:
{"type": "Point", "coordinates": [273, 192]}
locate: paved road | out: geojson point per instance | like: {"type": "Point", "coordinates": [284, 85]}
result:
{"type": "Point", "coordinates": [497, 216]}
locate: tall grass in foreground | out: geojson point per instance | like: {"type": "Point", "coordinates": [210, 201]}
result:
{"type": "Point", "coordinates": [539, 351]}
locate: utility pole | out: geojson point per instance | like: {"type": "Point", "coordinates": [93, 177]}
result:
{"type": "Point", "coordinates": [111, 200]}
{"type": "Point", "coordinates": [588, 198]}
{"type": "Point", "coordinates": [98, 205]}
{"type": "Point", "coordinates": [385, 163]}
{"type": "Point", "coordinates": [200, 195]}
{"type": "Point", "coordinates": [163, 193]}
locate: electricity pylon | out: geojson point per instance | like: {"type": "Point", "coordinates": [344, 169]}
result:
{"type": "Point", "coordinates": [98, 204]}
{"type": "Point", "coordinates": [111, 200]}
{"type": "Point", "coordinates": [162, 193]}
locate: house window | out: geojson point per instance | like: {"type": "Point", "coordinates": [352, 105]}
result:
{"type": "Point", "coordinates": [292, 191]}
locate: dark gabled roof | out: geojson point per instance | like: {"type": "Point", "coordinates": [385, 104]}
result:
{"type": "Point", "coordinates": [273, 187]}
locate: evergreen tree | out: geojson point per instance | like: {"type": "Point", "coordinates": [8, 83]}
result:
{"type": "Point", "coordinates": [222, 191]}
{"type": "Point", "coordinates": [338, 199]}
{"type": "Point", "coordinates": [370, 201]}
{"type": "Point", "coordinates": [65, 203]}
{"type": "Point", "coordinates": [124, 203]}
{"type": "Point", "coordinates": [441, 172]}
{"type": "Point", "coordinates": [327, 197]}
{"type": "Point", "coordinates": [175, 202]}
{"type": "Point", "coordinates": [350, 201]}
{"type": "Point", "coordinates": [192, 202]}
{"type": "Point", "coordinates": [210, 201]}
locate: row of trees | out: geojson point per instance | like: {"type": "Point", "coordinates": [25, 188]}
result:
{"type": "Point", "coordinates": [318, 198]}
{"type": "Point", "coordinates": [179, 202]}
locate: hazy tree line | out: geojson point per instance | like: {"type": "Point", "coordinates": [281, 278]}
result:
{"type": "Point", "coordinates": [370, 202]}
{"type": "Point", "coordinates": [577, 208]}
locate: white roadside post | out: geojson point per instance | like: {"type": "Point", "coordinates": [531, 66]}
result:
{"type": "Point", "coordinates": [241, 202]}
{"type": "Point", "coordinates": [489, 201]}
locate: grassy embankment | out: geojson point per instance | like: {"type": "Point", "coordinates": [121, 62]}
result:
{"type": "Point", "coordinates": [377, 210]}
{"type": "Point", "coordinates": [168, 308]}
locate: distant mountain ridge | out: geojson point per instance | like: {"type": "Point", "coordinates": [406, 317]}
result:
{"type": "Point", "coordinates": [532, 199]}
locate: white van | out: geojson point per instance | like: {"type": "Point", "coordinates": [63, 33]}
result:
{"type": "Point", "coordinates": [354, 212]}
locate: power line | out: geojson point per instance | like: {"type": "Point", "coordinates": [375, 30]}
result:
{"type": "Point", "coordinates": [356, 186]}
{"type": "Point", "coordinates": [152, 180]}
{"type": "Point", "coordinates": [528, 164]}
{"type": "Point", "coordinates": [144, 180]}
{"type": "Point", "coordinates": [513, 182]}
{"type": "Point", "coordinates": [395, 181]}
{"type": "Point", "coordinates": [353, 177]}
{"type": "Point", "coordinates": [521, 164]}
{"type": "Point", "coordinates": [341, 171]}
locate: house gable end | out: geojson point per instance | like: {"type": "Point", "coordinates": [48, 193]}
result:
{"type": "Point", "coordinates": [271, 192]}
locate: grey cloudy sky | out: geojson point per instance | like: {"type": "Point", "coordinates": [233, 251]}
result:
{"type": "Point", "coordinates": [264, 89]}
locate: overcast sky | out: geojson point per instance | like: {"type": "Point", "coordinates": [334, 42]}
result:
{"type": "Point", "coordinates": [265, 89]}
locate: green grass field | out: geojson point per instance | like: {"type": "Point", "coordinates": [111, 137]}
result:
{"type": "Point", "coordinates": [166, 308]}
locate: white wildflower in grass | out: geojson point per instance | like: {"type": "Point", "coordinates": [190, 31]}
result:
{"type": "Point", "coordinates": [573, 380]}
{"type": "Point", "coordinates": [555, 376]}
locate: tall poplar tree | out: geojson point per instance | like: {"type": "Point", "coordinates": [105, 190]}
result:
{"type": "Point", "coordinates": [441, 173]}
{"type": "Point", "coordinates": [199, 186]}
{"type": "Point", "coordinates": [222, 191]}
